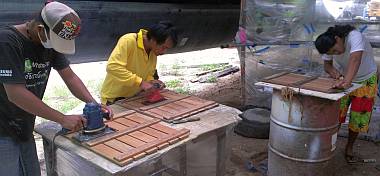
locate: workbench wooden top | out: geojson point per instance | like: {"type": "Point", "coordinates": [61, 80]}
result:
{"type": "Point", "coordinates": [211, 122]}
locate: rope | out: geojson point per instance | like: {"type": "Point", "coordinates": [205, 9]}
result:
{"type": "Point", "coordinates": [287, 95]}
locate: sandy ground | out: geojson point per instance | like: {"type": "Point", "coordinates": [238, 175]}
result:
{"type": "Point", "coordinates": [244, 148]}
{"type": "Point", "coordinates": [227, 91]}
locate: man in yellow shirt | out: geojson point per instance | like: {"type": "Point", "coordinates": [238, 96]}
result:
{"type": "Point", "coordinates": [132, 63]}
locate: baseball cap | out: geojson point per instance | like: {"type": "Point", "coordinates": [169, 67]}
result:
{"type": "Point", "coordinates": [64, 25]}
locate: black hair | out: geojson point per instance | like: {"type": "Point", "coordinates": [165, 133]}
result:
{"type": "Point", "coordinates": [161, 31]}
{"type": "Point", "coordinates": [38, 17]}
{"type": "Point", "coordinates": [326, 41]}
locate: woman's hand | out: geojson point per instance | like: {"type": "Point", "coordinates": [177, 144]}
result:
{"type": "Point", "coordinates": [342, 84]}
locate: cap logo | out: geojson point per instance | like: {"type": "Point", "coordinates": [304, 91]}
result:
{"type": "Point", "coordinates": [68, 28]}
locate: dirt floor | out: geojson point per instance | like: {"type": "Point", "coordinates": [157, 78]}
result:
{"type": "Point", "coordinates": [244, 148]}
{"type": "Point", "coordinates": [227, 91]}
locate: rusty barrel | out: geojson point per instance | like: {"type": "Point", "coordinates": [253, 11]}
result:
{"type": "Point", "coordinates": [302, 142]}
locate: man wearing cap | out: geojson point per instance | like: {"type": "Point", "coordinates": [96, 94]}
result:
{"type": "Point", "coordinates": [27, 53]}
{"type": "Point", "coordinates": [132, 64]}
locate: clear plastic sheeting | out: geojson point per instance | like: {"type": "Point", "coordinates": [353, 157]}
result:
{"type": "Point", "coordinates": [277, 58]}
{"type": "Point", "coordinates": [296, 21]}
{"type": "Point", "coordinates": [275, 22]}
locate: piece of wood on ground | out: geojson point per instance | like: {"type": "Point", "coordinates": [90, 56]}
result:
{"type": "Point", "coordinates": [219, 74]}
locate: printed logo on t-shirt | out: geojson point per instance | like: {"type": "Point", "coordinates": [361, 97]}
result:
{"type": "Point", "coordinates": [36, 73]}
{"type": "Point", "coordinates": [5, 73]}
{"type": "Point", "coordinates": [28, 65]}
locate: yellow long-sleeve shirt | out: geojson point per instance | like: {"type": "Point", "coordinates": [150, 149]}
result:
{"type": "Point", "coordinates": [127, 66]}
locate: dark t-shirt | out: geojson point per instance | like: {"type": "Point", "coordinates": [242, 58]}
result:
{"type": "Point", "coordinates": [23, 62]}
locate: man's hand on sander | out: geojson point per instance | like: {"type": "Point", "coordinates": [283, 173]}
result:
{"type": "Point", "coordinates": [73, 122]}
{"type": "Point", "coordinates": [107, 111]}
{"type": "Point", "coordinates": [161, 85]}
{"type": "Point", "coordinates": [146, 86]}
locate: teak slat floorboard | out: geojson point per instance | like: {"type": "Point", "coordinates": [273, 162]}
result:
{"type": "Point", "coordinates": [176, 106]}
{"type": "Point", "coordinates": [324, 85]}
{"type": "Point", "coordinates": [136, 136]}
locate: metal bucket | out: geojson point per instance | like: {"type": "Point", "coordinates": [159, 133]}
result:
{"type": "Point", "coordinates": [302, 143]}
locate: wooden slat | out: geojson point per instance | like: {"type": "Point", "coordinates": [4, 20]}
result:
{"type": "Point", "coordinates": [120, 146]}
{"type": "Point", "coordinates": [174, 106]}
{"type": "Point", "coordinates": [126, 122]}
{"type": "Point", "coordinates": [170, 109]}
{"type": "Point", "coordinates": [151, 145]}
{"type": "Point", "coordinates": [196, 101]}
{"type": "Point", "coordinates": [275, 76]}
{"type": "Point", "coordinates": [163, 128]}
{"type": "Point", "coordinates": [305, 82]}
{"type": "Point", "coordinates": [124, 113]}
{"type": "Point", "coordinates": [153, 114]}
{"type": "Point", "coordinates": [106, 151]}
{"type": "Point", "coordinates": [139, 156]}
{"type": "Point", "coordinates": [183, 104]}
{"type": "Point", "coordinates": [197, 111]}
{"type": "Point", "coordinates": [116, 126]}
{"type": "Point", "coordinates": [132, 105]}
{"type": "Point", "coordinates": [161, 113]}
{"type": "Point", "coordinates": [164, 145]}
{"type": "Point", "coordinates": [120, 133]}
{"type": "Point", "coordinates": [142, 136]}
{"type": "Point", "coordinates": [131, 141]}
{"type": "Point", "coordinates": [194, 109]}
{"type": "Point", "coordinates": [139, 118]}
{"type": "Point", "coordinates": [153, 132]}
{"type": "Point", "coordinates": [173, 95]}
{"type": "Point", "coordinates": [144, 108]}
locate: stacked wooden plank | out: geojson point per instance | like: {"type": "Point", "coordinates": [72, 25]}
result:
{"type": "Point", "coordinates": [304, 82]}
{"type": "Point", "coordinates": [176, 106]}
{"type": "Point", "coordinates": [136, 136]}
{"type": "Point", "coordinates": [374, 8]}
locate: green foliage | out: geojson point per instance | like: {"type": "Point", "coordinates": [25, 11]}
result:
{"type": "Point", "coordinates": [162, 67]}
{"type": "Point", "coordinates": [212, 79]}
{"type": "Point", "coordinates": [94, 86]}
{"type": "Point", "coordinates": [176, 65]}
{"type": "Point", "coordinates": [63, 105]}
{"type": "Point", "coordinates": [60, 91]}
{"type": "Point", "coordinates": [182, 90]}
{"type": "Point", "coordinates": [61, 99]}
{"type": "Point", "coordinates": [173, 83]}
{"type": "Point", "coordinates": [207, 67]}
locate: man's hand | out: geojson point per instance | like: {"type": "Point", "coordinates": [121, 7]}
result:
{"type": "Point", "coordinates": [73, 122]}
{"type": "Point", "coordinates": [107, 110]}
{"type": "Point", "coordinates": [342, 84]}
{"type": "Point", "coordinates": [336, 75]}
{"type": "Point", "coordinates": [162, 84]}
{"type": "Point", "coordinates": [146, 86]}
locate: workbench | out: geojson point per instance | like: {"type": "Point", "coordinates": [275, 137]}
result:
{"type": "Point", "coordinates": [204, 152]}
